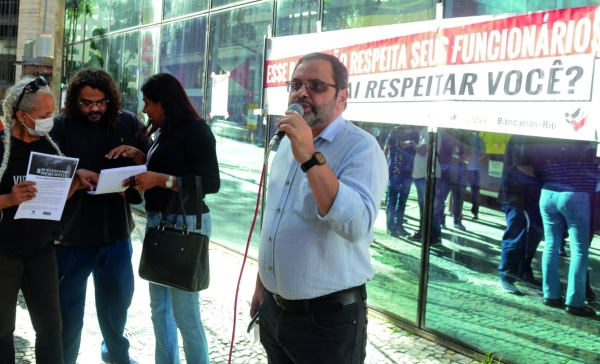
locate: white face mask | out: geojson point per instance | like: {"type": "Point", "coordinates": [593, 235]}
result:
{"type": "Point", "coordinates": [42, 126]}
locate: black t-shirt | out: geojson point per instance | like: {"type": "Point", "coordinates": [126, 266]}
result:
{"type": "Point", "coordinates": [189, 151]}
{"type": "Point", "coordinates": [518, 189]}
{"type": "Point", "coordinates": [23, 236]}
{"type": "Point", "coordinates": [89, 219]}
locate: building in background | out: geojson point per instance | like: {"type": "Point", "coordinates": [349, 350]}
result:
{"type": "Point", "coordinates": [216, 48]}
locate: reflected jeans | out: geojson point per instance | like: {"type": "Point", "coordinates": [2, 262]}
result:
{"type": "Point", "coordinates": [474, 184]}
{"type": "Point", "coordinates": [397, 194]}
{"type": "Point", "coordinates": [572, 209]}
{"type": "Point", "coordinates": [174, 308]}
{"type": "Point", "coordinates": [520, 242]}
{"type": "Point", "coordinates": [420, 185]}
{"type": "Point", "coordinates": [110, 265]}
{"type": "Point", "coordinates": [36, 276]}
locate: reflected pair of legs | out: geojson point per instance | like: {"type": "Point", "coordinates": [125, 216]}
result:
{"type": "Point", "coordinates": [174, 309]}
{"type": "Point", "coordinates": [397, 194]}
{"type": "Point", "coordinates": [36, 276]}
{"type": "Point", "coordinates": [562, 210]}
{"type": "Point", "coordinates": [110, 265]}
{"type": "Point", "coordinates": [519, 243]}
{"type": "Point", "coordinates": [474, 184]}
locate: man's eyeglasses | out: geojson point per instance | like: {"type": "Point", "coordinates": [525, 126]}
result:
{"type": "Point", "coordinates": [88, 104]}
{"type": "Point", "coordinates": [32, 87]}
{"type": "Point", "coordinates": [313, 86]}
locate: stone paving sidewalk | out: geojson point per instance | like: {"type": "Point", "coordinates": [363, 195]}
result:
{"type": "Point", "coordinates": [386, 342]}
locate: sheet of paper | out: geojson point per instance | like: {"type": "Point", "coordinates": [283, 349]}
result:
{"type": "Point", "coordinates": [53, 176]}
{"type": "Point", "coordinates": [111, 180]}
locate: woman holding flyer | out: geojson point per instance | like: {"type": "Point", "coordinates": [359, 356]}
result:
{"type": "Point", "coordinates": [183, 148]}
{"type": "Point", "coordinates": [27, 259]}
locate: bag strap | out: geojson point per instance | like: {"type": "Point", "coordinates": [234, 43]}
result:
{"type": "Point", "coordinates": [182, 209]}
{"type": "Point", "coordinates": [163, 221]}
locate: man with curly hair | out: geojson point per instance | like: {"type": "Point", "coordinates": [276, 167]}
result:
{"type": "Point", "coordinates": [96, 228]}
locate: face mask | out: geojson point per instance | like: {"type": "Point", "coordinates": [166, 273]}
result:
{"type": "Point", "coordinates": [42, 126]}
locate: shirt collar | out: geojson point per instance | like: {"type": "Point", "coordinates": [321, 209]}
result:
{"type": "Point", "coordinates": [332, 129]}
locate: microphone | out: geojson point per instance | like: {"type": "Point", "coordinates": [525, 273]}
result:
{"type": "Point", "coordinates": [295, 108]}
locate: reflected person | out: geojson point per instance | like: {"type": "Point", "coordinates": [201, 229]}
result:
{"type": "Point", "coordinates": [519, 196]}
{"type": "Point", "coordinates": [400, 149]}
{"type": "Point", "coordinates": [570, 173]}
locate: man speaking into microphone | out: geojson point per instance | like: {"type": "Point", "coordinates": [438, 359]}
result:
{"type": "Point", "coordinates": [325, 190]}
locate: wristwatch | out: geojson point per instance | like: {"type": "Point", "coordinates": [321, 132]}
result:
{"type": "Point", "coordinates": [317, 160]}
{"type": "Point", "coordinates": [169, 182]}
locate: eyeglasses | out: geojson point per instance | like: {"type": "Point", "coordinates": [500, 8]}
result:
{"type": "Point", "coordinates": [88, 104]}
{"type": "Point", "coordinates": [33, 86]}
{"type": "Point", "coordinates": [313, 86]}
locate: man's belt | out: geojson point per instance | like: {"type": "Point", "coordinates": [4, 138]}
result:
{"type": "Point", "coordinates": [330, 303]}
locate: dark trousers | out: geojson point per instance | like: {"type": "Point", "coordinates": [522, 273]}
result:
{"type": "Point", "coordinates": [297, 338]}
{"type": "Point", "coordinates": [110, 265]}
{"type": "Point", "coordinates": [35, 275]}
{"type": "Point", "coordinates": [474, 184]}
{"type": "Point", "coordinates": [524, 231]}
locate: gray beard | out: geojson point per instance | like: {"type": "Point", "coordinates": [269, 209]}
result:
{"type": "Point", "coordinates": [321, 116]}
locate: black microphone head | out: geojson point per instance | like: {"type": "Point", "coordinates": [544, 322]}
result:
{"type": "Point", "coordinates": [296, 108]}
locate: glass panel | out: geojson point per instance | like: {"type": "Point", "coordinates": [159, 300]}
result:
{"type": "Point", "coordinates": [297, 17]}
{"type": "Point", "coordinates": [458, 8]}
{"type": "Point", "coordinates": [151, 11]}
{"type": "Point", "coordinates": [125, 14]}
{"type": "Point", "coordinates": [396, 251]}
{"type": "Point", "coordinates": [175, 8]}
{"type": "Point", "coordinates": [358, 14]}
{"type": "Point", "coordinates": [97, 20]}
{"type": "Point", "coordinates": [75, 20]}
{"type": "Point", "coordinates": [95, 53]}
{"type": "Point", "coordinates": [236, 46]}
{"type": "Point", "coordinates": [511, 213]}
{"type": "Point", "coordinates": [182, 53]}
{"type": "Point", "coordinates": [149, 58]}
{"type": "Point", "coordinates": [123, 66]}
{"type": "Point", "coordinates": [216, 3]}
{"type": "Point", "coordinates": [72, 61]}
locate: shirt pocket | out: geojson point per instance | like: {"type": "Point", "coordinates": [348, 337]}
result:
{"type": "Point", "coordinates": [305, 202]}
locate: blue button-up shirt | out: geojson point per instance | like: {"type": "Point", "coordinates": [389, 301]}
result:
{"type": "Point", "coordinates": [303, 254]}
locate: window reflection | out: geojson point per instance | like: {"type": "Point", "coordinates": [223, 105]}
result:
{"type": "Point", "coordinates": [123, 66]}
{"type": "Point", "coordinates": [523, 252]}
{"type": "Point", "coordinates": [72, 60]}
{"type": "Point", "coordinates": [236, 47]}
{"type": "Point", "coordinates": [459, 8]}
{"type": "Point", "coordinates": [151, 11]}
{"type": "Point", "coordinates": [297, 17]}
{"type": "Point", "coordinates": [125, 14]}
{"type": "Point", "coordinates": [97, 20]}
{"type": "Point", "coordinates": [95, 53]}
{"type": "Point", "coordinates": [75, 14]}
{"type": "Point", "coordinates": [174, 8]}
{"type": "Point", "coordinates": [182, 55]}
{"type": "Point", "coordinates": [359, 14]}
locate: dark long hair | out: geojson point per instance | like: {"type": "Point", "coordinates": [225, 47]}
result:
{"type": "Point", "coordinates": [98, 79]}
{"type": "Point", "coordinates": [177, 107]}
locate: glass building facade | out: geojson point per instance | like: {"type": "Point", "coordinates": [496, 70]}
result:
{"type": "Point", "coordinates": [446, 287]}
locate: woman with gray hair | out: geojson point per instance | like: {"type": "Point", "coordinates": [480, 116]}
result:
{"type": "Point", "coordinates": [27, 258]}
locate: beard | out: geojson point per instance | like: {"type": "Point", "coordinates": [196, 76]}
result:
{"type": "Point", "coordinates": [319, 115]}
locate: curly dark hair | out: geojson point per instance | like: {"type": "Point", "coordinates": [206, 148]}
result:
{"type": "Point", "coordinates": [99, 79]}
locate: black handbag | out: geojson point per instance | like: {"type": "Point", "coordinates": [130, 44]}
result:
{"type": "Point", "coordinates": [177, 258]}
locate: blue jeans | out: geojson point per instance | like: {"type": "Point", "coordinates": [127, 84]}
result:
{"type": "Point", "coordinates": [520, 242]}
{"type": "Point", "coordinates": [35, 274]}
{"type": "Point", "coordinates": [572, 209]}
{"type": "Point", "coordinates": [110, 265]}
{"type": "Point", "coordinates": [398, 190]}
{"type": "Point", "coordinates": [420, 185]}
{"type": "Point", "coordinates": [173, 308]}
